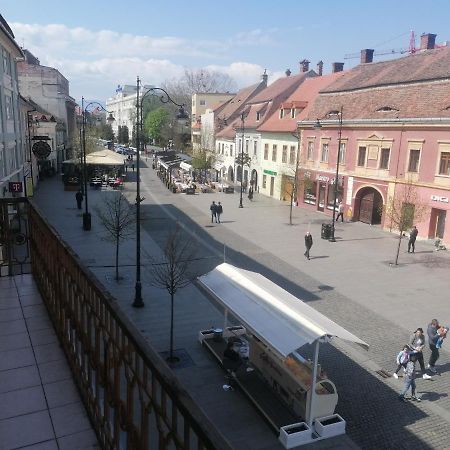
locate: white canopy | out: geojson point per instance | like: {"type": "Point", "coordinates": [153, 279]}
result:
{"type": "Point", "coordinates": [281, 320]}
{"type": "Point", "coordinates": [101, 158]}
{"type": "Point", "coordinates": [185, 166]}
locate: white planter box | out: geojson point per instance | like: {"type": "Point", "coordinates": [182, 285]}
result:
{"type": "Point", "coordinates": [234, 331]}
{"type": "Point", "coordinates": [295, 434]}
{"type": "Point", "coordinates": [205, 334]}
{"type": "Point", "coordinates": [330, 426]}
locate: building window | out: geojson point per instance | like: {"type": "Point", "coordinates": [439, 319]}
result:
{"type": "Point", "coordinates": [274, 152]}
{"type": "Point", "coordinates": [362, 156]}
{"type": "Point", "coordinates": [6, 63]}
{"type": "Point", "coordinates": [444, 164]}
{"type": "Point", "coordinates": [255, 148]}
{"type": "Point", "coordinates": [310, 155]}
{"type": "Point", "coordinates": [202, 102]}
{"type": "Point", "coordinates": [266, 151]}
{"type": "Point", "coordinates": [414, 156]}
{"type": "Point", "coordinates": [284, 154]}
{"type": "Point", "coordinates": [293, 113]}
{"type": "Point", "coordinates": [231, 149]}
{"type": "Point", "coordinates": [9, 107]}
{"type": "Point", "coordinates": [292, 155]}
{"type": "Point", "coordinates": [384, 161]}
{"type": "Point", "coordinates": [281, 113]}
{"type": "Point", "coordinates": [258, 116]}
{"type": "Point", "coordinates": [223, 149]}
{"type": "Point", "coordinates": [246, 146]}
{"type": "Point", "coordinates": [342, 153]}
{"type": "Point", "coordinates": [264, 181]}
{"type": "Point", "coordinates": [240, 144]}
{"type": "Point", "coordinates": [324, 154]}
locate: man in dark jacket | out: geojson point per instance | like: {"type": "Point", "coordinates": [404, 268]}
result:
{"type": "Point", "coordinates": [219, 211]}
{"type": "Point", "coordinates": [79, 197]}
{"type": "Point", "coordinates": [432, 340]}
{"type": "Point", "coordinates": [213, 209]}
{"type": "Point", "coordinates": [412, 239]}
{"type": "Point", "coordinates": [308, 243]}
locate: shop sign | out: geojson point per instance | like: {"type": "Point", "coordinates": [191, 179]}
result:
{"type": "Point", "coordinates": [322, 178]}
{"type": "Point", "coordinates": [270, 172]}
{"type": "Point", "coordinates": [15, 186]}
{"type": "Point", "coordinates": [437, 198]}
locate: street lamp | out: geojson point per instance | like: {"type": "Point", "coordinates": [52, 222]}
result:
{"type": "Point", "coordinates": [110, 119]}
{"type": "Point", "coordinates": [242, 158]}
{"type": "Point", "coordinates": [181, 116]}
{"type": "Point", "coordinates": [336, 179]}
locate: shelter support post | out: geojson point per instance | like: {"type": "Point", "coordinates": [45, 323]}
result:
{"type": "Point", "coordinates": [313, 385]}
{"type": "Point", "coordinates": [225, 319]}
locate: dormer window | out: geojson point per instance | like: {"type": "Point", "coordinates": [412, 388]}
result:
{"type": "Point", "coordinates": [293, 112]}
{"type": "Point", "coordinates": [387, 109]}
{"type": "Point", "coordinates": [258, 116]}
{"type": "Point", "coordinates": [281, 113]}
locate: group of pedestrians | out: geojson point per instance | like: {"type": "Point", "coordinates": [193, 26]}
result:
{"type": "Point", "coordinates": [216, 212]}
{"type": "Point", "coordinates": [413, 353]}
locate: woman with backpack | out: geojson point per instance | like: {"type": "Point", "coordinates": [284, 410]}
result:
{"type": "Point", "coordinates": [417, 345]}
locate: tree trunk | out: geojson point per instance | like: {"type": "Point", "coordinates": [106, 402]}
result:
{"type": "Point", "coordinates": [291, 206]}
{"type": "Point", "coordinates": [171, 326]}
{"type": "Point", "coordinates": [117, 258]}
{"type": "Point", "coordinates": [398, 247]}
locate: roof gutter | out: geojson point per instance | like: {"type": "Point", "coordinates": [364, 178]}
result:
{"type": "Point", "coordinates": [418, 120]}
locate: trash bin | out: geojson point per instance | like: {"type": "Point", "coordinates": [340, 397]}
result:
{"type": "Point", "coordinates": [218, 333]}
{"type": "Point", "coordinates": [326, 231]}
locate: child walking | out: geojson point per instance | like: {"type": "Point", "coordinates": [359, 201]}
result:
{"type": "Point", "coordinates": [402, 360]}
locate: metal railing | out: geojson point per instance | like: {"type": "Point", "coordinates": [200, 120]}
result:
{"type": "Point", "coordinates": [133, 399]}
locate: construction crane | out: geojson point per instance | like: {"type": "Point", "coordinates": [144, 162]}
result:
{"type": "Point", "coordinates": [411, 49]}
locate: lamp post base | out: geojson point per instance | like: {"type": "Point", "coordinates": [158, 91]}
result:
{"type": "Point", "coordinates": [138, 302]}
{"type": "Point", "coordinates": [86, 221]}
{"type": "Point", "coordinates": [332, 239]}
{"type": "Point", "coordinates": [241, 205]}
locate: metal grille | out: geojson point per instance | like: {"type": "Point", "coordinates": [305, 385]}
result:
{"type": "Point", "coordinates": [132, 397]}
{"type": "Point", "coordinates": [14, 237]}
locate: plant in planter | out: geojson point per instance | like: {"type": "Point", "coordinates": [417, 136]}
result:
{"type": "Point", "coordinates": [295, 434]}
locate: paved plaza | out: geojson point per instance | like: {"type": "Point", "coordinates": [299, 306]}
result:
{"type": "Point", "coordinates": [351, 281]}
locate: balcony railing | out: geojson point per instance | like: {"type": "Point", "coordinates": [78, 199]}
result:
{"type": "Point", "coordinates": [130, 394]}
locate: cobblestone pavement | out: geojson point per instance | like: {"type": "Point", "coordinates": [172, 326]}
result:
{"type": "Point", "coordinates": [350, 281]}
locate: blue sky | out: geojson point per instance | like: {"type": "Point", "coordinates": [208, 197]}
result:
{"type": "Point", "coordinates": [98, 45]}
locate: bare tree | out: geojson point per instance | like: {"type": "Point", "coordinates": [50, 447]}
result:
{"type": "Point", "coordinates": [173, 273]}
{"type": "Point", "coordinates": [402, 209]}
{"type": "Point", "coordinates": [117, 217]}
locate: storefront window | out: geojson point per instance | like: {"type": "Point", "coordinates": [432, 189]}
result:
{"type": "Point", "coordinates": [310, 189]}
{"type": "Point", "coordinates": [330, 195]}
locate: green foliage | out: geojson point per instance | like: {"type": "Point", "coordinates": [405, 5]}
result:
{"type": "Point", "coordinates": [123, 135]}
{"type": "Point", "coordinates": [155, 121]}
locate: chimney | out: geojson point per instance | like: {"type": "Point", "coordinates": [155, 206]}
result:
{"type": "Point", "coordinates": [304, 65]}
{"type": "Point", "coordinates": [427, 41]}
{"type": "Point", "coordinates": [265, 77]}
{"type": "Point", "coordinates": [337, 67]}
{"type": "Point", "coordinates": [288, 72]}
{"type": "Point", "coordinates": [320, 68]}
{"type": "Point", "coordinates": [367, 55]}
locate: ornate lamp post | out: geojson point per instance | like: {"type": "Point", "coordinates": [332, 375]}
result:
{"type": "Point", "coordinates": [336, 179]}
{"type": "Point", "coordinates": [181, 116]}
{"type": "Point", "coordinates": [242, 158]}
{"type": "Point", "coordinates": [110, 119]}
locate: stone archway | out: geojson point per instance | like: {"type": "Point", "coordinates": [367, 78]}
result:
{"type": "Point", "coordinates": [368, 206]}
{"type": "Point", "coordinates": [230, 174]}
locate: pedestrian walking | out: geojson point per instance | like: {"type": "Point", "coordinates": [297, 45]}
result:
{"type": "Point", "coordinates": [219, 211]}
{"type": "Point", "coordinates": [417, 344]}
{"type": "Point", "coordinates": [402, 359]}
{"type": "Point", "coordinates": [433, 337]}
{"type": "Point", "coordinates": [79, 198]}
{"type": "Point", "coordinates": [213, 209]}
{"type": "Point", "coordinates": [250, 194]}
{"type": "Point", "coordinates": [412, 239]}
{"type": "Point", "coordinates": [308, 244]}
{"type": "Point", "coordinates": [409, 380]}
{"type": "Point", "coordinates": [132, 166]}
{"type": "Point", "coordinates": [340, 212]}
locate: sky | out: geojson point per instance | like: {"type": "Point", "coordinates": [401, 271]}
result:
{"type": "Point", "coordinates": [100, 45]}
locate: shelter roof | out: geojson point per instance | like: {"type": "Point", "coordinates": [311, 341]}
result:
{"type": "Point", "coordinates": [275, 316]}
{"type": "Point", "coordinates": [101, 158]}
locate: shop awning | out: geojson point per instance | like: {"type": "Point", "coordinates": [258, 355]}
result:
{"type": "Point", "coordinates": [163, 165]}
{"type": "Point", "coordinates": [219, 166]}
{"type": "Point", "coordinates": [278, 318]}
{"type": "Point", "coordinates": [185, 166]}
{"type": "Point", "coordinates": [100, 158]}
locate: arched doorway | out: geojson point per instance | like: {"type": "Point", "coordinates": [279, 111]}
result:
{"type": "Point", "coordinates": [254, 179]}
{"type": "Point", "coordinates": [369, 206]}
{"type": "Point", "coordinates": [230, 174]}
{"type": "Point", "coordinates": [238, 173]}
